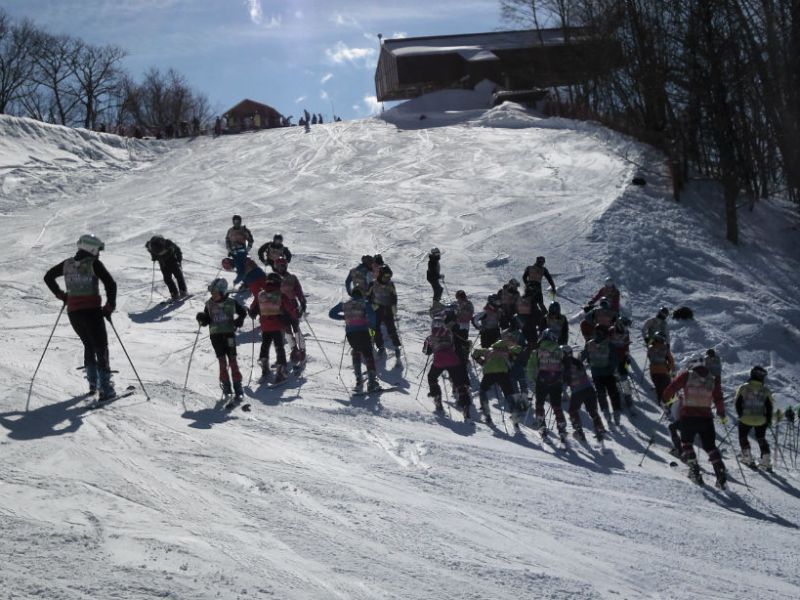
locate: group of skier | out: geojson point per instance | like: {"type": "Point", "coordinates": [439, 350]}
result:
{"type": "Point", "coordinates": [522, 346]}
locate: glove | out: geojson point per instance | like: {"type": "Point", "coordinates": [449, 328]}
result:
{"type": "Point", "coordinates": [253, 312]}
{"type": "Point", "coordinates": [238, 322]}
{"type": "Point", "coordinates": [723, 419]}
{"type": "Point", "coordinates": [302, 310]}
{"type": "Point", "coordinates": [202, 319]}
{"type": "Point", "coordinates": [108, 309]}
{"type": "Point", "coordinates": [62, 296]}
{"type": "Point", "coordinates": [441, 277]}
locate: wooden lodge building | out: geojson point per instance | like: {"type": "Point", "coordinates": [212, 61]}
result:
{"type": "Point", "coordinates": [514, 60]}
{"type": "Point", "coordinates": [249, 114]}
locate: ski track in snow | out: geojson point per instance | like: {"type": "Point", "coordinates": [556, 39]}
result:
{"type": "Point", "coordinates": [313, 495]}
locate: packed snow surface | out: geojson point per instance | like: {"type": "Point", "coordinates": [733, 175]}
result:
{"type": "Point", "coordinates": [317, 495]}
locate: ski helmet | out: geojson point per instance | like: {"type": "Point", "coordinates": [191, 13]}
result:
{"type": "Point", "coordinates": [540, 260]}
{"type": "Point", "coordinates": [237, 219]}
{"type": "Point", "coordinates": [385, 273]}
{"type": "Point", "coordinates": [435, 251]}
{"type": "Point", "coordinates": [367, 260]}
{"type": "Point", "coordinates": [91, 244]}
{"type": "Point", "coordinates": [758, 373]}
{"type": "Point", "coordinates": [566, 349]}
{"type": "Point", "coordinates": [356, 293]}
{"type": "Point", "coordinates": [219, 285]}
{"type": "Point", "coordinates": [378, 260]}
{"type": "Point", "coordinates": [461, 295]}
{"type": "Point", "coordinates": [663, 312]}
{"type": "Point", "coordinates": [437, 323]}
{"type": "Point", "coordinates": [277, 238]}
{"type": "Point", "coordinates": [513, 283]}
{"type": "Point", "coordinates": [227, 263]}
{"type": "Point", "coordinates": [711, 353]}
{"type": "Point", "coordinates": [549, 335]}
{"type": "Point", "coordinates": [493, 299]}
{"type": "Point", "coordinates": [600, 330]}
{"type": "Point", "coordinates": [609, 282]}
{"type": "Point", "coordinates": [698, 360]}
{"type": "Point", "coordinates": [554, 309]}
{"type": "Point", "coordinates": [274, 279]}
{"type": "Point", "coordinates": [659, 337]}
{"type": "Point", "coordinates": [604, 302]}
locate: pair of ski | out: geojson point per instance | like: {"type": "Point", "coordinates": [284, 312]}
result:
{"type": "Point", "coordinates": [360, 392]}
{"type": "Point", "coordinates": [178, 300]}
{"type": "Point", "coordinates": [230, 402]}
{"type": "Point", "coordinates": [96, 402]}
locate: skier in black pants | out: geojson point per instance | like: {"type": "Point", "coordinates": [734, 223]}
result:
{"type": "Point", "coordinates": [169, 257]}
{"type": "Point", "coordinates": [82, 297]}
{"type": "Point", "coordinates": [433, 275]}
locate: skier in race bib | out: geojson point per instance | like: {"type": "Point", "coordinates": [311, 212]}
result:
{"type": "Point", "coordinates": [754, 406]}
{"type": "Point", "coordinates": [291, 288]}
{"type": "Point", "coordinates": [85, 309]}
{"type": "Point", "coordinates": [701, 392]}
{"type": "Point", "coordinates": [273, 308]}
{"type": "Point", "coordinates": [359, 319]}
{"type": "Point", "coordinates": [223, 316]}
{"type": "Point", "coordinates": [533, 276]}
{"type": "Point", "coordinates": [238, 241]}
{"type": "Point", "coordinates": [270, 251]}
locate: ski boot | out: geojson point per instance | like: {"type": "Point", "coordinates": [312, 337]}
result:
{"type": "Point", "coordinates": [747, 458]}
{"type": "Point", "coordinates": [381, 352]}
{"type": "Point", "coordinates": [264, 362]}
{"type": "Point", "coordinates": [91, 377]}
{"type": "Point", "coordinates": [105, 387]}
{"type": "Point", "coordinates": [280, 374]}
{"type": "Point", "coordinates": [617, 417]}
{"type": "Point", "coordinates": [721, 474]}
{"type": "Point", "coordinates": [437, 401]}
{"type": "Point", "coordinates": [766, 463]}
{"type": "Point", "coordinates": [562, 432]}
{"type": "Point", "coordinates": [485, 410]}
{"type": "Point", "coordinates": [694, 471]}
{"type": "Point", "coordinates": [397, 352]}
{"type": "Point", "coordinates": [372, 382]}
{"type": "Point", "coordinates": [227, 391]}
{"type": "Point", "coordinates": [579, 435]}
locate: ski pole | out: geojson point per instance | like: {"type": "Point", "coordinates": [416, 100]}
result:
{"type": "Point", "coordinates": [777, 447]}
{"type": "Point", "coordinates": [399, 337]}
{"type": "Point", "coordinates": [644, 368]}
{"type": "Point", "coordinates": [320, 345]}
{"type": "Point", "coordinates": [341, 361]}
{"type": "Point", "coordinates": [652, 438]}
{"type": "Point", "coordinates": [419, 383]}
{"type": "Point", "coordinates": [129, 358]}
{"type": "Point", "coordinates": [153, 282]}
{"type": "Point", "coordinates": [252, 353]}
{"type": "Point", "coordinates": [186, 380]}
{"type": "Point", "coordinates": [28, 402]}
{"type": "Point", "coordinates": [501, 402]}
{"type": "Point", "coordinates": [738, 462]}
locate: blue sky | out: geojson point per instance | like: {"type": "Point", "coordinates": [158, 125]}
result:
{"type": "Point", "coordinates": [291, 54]}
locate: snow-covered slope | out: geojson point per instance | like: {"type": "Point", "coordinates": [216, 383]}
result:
{"type": "Point", "coordinates": [317, 496]}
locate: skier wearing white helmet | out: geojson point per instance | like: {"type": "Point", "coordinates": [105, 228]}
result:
{"type": "Point", "coordinates": [85, 309]}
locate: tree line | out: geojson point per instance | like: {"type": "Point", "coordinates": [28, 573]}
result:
{"type": "Point", "coordinates": [714, 84]}
{"type": "Point", "coordinates": [62, 79]}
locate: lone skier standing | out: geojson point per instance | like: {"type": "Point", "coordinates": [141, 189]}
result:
{"type": "Point", "coordinates": [85, 308]}
{"type": "Point", "coordinates": [434, 274]}
{"type": "Point", "coordinates": [169, 257]}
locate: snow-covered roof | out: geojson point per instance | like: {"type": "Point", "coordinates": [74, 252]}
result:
{"type": "Point", "coordinates": [478, 46]}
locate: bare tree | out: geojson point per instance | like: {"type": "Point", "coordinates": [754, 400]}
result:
{"type": "Point", "coordinates": [97, 73]}
{"type": "Point", "coordinates": [55, 58]}
{"type": "Point", "coordinates": [16, 42]}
